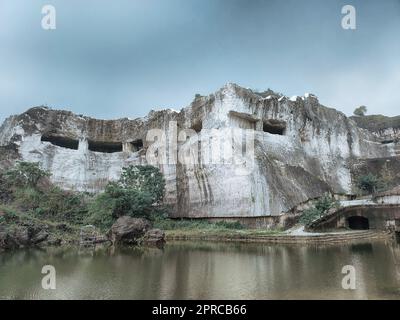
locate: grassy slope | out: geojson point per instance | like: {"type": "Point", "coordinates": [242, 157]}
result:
{"type": "Point", "coordinates": [11, 217]}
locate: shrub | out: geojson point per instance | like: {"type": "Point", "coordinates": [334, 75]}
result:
{"type": "Point", "coordinates": [319, 209]}
{"type": "Point", "coordinates": [32, 192]}
{"type": "Point", "coordinates": [129, 201]}
{"type": "Point", "coordinates": [5, 190]}
{"type": "Point", "coordinates": [62, 205]}
{"type": "Point", "coordinates": [27, 198]}
{"type": "Point", "coordinates": [8, 216]}
{"type": "Point", "coordinates": [100, 211]}
{"type": "Point", "coordinates": [369, 183]}
{"type": "Point", "coordinates": [310, 215]}
{"type": "Point", "coordinates": [146, 179]}
{"type": "Point", "coordinates": [138, 193]}
{"type": "Point", "coordinates": [26, 174]}
{"type": "Point", "coordinates": [360, 111]}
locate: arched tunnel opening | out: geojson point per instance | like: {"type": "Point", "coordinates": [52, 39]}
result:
{"type": "Point", "coordinates": [358, 223]}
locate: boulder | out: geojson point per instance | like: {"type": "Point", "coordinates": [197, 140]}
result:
{"type": "Point", "coordinates": [154, 237]}
{"type": "Point", "coordinates": [128, 230]}
{"type": "Point", "coordinates": [7, 241]}
{"type": "Point", "coordinates": [39, 237]}
{"type": "Point", "coordinates": [21, 236]}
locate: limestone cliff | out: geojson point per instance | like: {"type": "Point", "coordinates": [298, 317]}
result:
{"type": "Point", "coordinates": [301, 150]}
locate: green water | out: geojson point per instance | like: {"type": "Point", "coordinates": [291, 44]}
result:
{"type": "Point", "coordinates": [205, 271]}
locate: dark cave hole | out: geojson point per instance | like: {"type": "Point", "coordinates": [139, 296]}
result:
{"type": "Point", "coordinates": [105, 147]}
{"type": "Point", "coordinates": [358, 223]}
{"type": "Point", "coordinates": [197, 126]}
{"type": "Point", "coordinates": [274, 127]}
{"type": "Point", "coordinates": [137, 145]}
{"type": "Point", "coordinates": [61, 141]}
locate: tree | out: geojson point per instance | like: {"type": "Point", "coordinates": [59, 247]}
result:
{"type": "Point", "coordinates": [26, 174]}
{"type": "Point", "coordinates": [319, 209]}
{"type": "Point", "coordinates": [360, 111]}
{"type": "Point", "coordinates": [369, 183]}
{"type": "Point", "coordinates": [145, 178]}
{"type": "Point", "coordinates": [138, 191]}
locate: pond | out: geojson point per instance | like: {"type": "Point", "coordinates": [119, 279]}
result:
{"type": "Point", "coordinates": [205, 270]}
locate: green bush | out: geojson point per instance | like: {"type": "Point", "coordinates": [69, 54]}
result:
{"type": "Point", "coordinates": [100, 212]}
{"type": "Point", "coordinates": [26, 174]}
{"type": "Point", "coordinates": [369, 183]}
{"type": "Point", "coordinates": [129, 201]}
{"type": "Point", "coordinates": [360, 111]}
{"type": "Point", "coordinates": [310, 215]}
{"type": "Point", "coordinates": [63, 206]}
{"type": "Point", "coordinates": [33, 193]}
{"type": "Point", "coordinates": [144, 179]}
{"type": "Point", "coordinates": [8, 216]}
{"type": "Point", "coordinates": [319, 209]}
{"type": "Point", "coordinates": [138, 193]}
{"type": "Point", "coordinates": [28, 197]}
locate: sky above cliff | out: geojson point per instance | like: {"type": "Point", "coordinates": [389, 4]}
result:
{"type": "Point", "coordinates": [122, 58]}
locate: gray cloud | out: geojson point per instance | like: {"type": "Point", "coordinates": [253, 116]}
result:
{"type": "Point", "coordinates": [121, 58]}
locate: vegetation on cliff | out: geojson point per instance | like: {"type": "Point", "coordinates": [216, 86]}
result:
{"type": "Point", "coordinates": [377, 123]}
{"type": "Point", "coordinates": [360, 111]}
{"type": "Point", "coordinates": [370, 183]}
{"type": "Point", "coordinates": [33, 210]}
{"type": "Point", "coordinates": [319, 208]}
{"type": "Point", "coordinates": [138, 193]}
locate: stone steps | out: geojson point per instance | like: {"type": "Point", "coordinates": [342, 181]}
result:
{"type": "Point", "coordinates": [320, 238]}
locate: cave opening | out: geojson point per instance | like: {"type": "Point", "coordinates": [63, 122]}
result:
{"type": "Point", "coordinates": [197, 126]}
{"type": "Point", "coordinates": [358, 223]}
{"type": "Point", "coordinates": [388, 141]}
{"type": "Point", "coordinates": [63, 142]}
{"type": "Point", "coordinates": [104, 147]}
{"type": "Point", "coordinates": [274, 127]}
{"type": "Point", "coordinates": [137, 145]}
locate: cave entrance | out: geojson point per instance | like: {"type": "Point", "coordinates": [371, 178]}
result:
{"type": "Point", "coordinates": [197, 126]}
{"type": "Point", "coordinates": [137, 145]}
{"type": "Point", "coordinates": [274, 127]}
{"type": "Point", "coordinates": [358, 223]}
{"type": "Point", "coordinates": [62, 142]}
{"type": "Point", "coordinates": [105, 147]}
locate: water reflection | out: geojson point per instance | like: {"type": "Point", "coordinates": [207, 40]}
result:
{"type": "Point", "coordinates": [206, 271]}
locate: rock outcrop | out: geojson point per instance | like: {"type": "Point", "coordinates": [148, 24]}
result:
{"type": "Point", "coordinates": [154, 237]}
{"type": "Point", "coordinates": [299, 150]}
{"type": "Point", "coordinates": [128, 231]}
{"type": "Point", "coordinates": [22, 236]}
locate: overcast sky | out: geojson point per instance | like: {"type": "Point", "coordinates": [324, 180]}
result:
{"type": "Point", "coordinates": [122, 58]}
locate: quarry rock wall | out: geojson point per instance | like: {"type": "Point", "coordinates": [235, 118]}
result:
{"type": "Point", "coordinates": [296, 149]}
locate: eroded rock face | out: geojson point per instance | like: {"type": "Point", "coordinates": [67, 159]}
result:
{"type": "Point", "coordinates": [301, 150]}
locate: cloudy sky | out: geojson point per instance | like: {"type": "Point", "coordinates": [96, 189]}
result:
{"type": "Point", "coordinates": [122, 58]}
